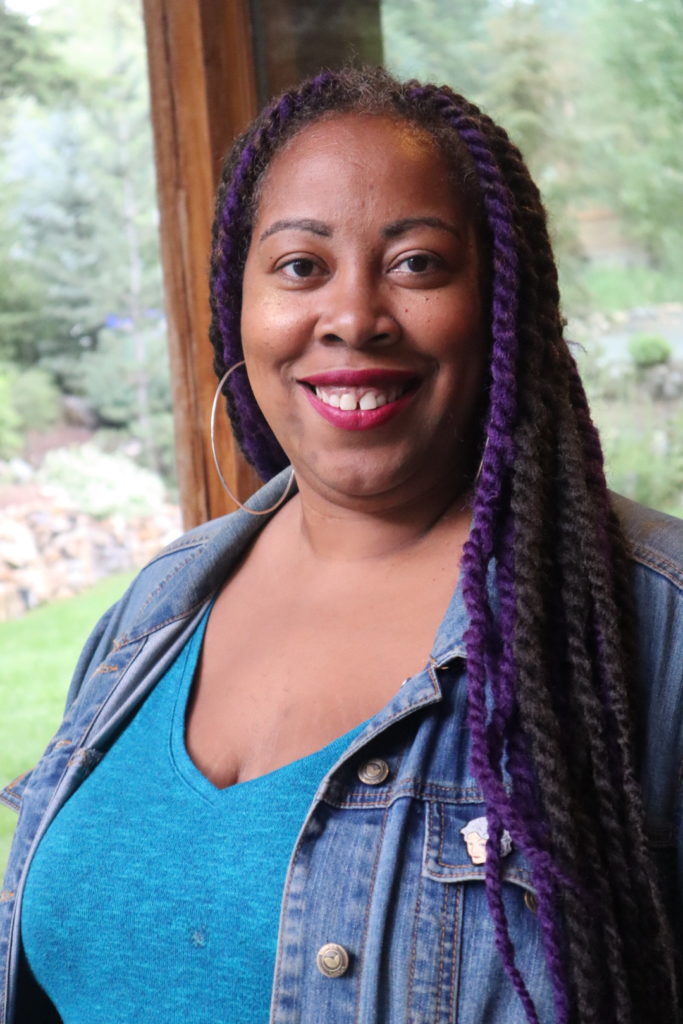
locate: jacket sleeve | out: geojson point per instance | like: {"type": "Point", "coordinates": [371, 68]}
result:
{"type": "Point", "coordinates": [95, 650]}
{"type": "Point", "coordinates": [96, 647]}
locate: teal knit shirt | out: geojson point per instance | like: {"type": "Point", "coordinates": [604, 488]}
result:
{"type": "Point", "coordinates": [154, 896]}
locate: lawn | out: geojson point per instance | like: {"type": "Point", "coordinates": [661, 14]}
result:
{"type": "Point", "coordinates": [37, 656]}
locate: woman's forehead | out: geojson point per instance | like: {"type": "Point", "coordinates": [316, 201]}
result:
{"type": "Point", "coordinates": [363, 130]}
{"type": "Point", "coordinates": [346, 157]}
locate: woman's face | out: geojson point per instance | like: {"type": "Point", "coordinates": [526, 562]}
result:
{"type": "Point", "coordinates": [362, 323]}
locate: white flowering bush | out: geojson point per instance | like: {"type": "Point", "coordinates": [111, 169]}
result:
{"type": "Point", "coordinates": [101, 484]}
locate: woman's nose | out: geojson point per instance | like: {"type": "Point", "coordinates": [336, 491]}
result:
{"type": "Point", "coordinates": [355, 313]}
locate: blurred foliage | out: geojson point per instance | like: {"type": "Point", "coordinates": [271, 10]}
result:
{"type": "Point", "coordinates": [110, 376]}
{"type": "Point", "coordinates": [80, 282]}
{"type": "Point", "coordinates": [29, 61]}
{"type": "Point", "coordinates": [649, 350]}
{"type": "Point", "coordinates": [592, 93]}
{"type": "Point", "coordinates": [645, 464]}
{"type": "Point", "coordinates": [590, 90]}
{"type": "Point", "coordinates": [102, 484]}
{"type": "Point", "coordinates": [641, 429]}
{"type": "Point", "coordinates": [29, 400]}
{"type": "Point", "coordinates": [10, 435]}
{"type": "Point", "coordinates": [611, 288]}
{"type": "Point", "coordinates": [634, 56]}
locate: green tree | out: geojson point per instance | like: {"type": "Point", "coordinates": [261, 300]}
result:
{"type": "Point", "coordinates": [517, 61]}
{"type": "Point", "coordinates": [33, 76]}
{"type": "Point", "coordinates": [635, 58]}
{"type": "Point", "coordinates": [10, 423]}
{"type": "Point", "coordinates": [29, 64]}
{"type": "Point", "coordinates": [83, 217]}
{"type": "Point", "coordinates": [434, 40]}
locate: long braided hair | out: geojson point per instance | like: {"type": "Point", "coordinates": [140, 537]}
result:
{"type": "Point", "coordinates": [549, 663]}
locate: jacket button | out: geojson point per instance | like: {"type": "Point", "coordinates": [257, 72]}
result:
{"type": "Point", "coordinates": [332, 960]}
{"type": "Point", "coordinates": [373, 772]}
{"type": "Point", "coordinates": [531, 901]}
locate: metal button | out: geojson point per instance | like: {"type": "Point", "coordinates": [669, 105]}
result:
{"type": "Point", "coordinates": [531, 901]}
{"type": "Point", "coordinates": [332, 960]}
{"type": "Point", "coordinates": [374, 771]}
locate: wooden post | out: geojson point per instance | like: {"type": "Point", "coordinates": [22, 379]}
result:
{"type": "Point", "coordinates": [202, 94]}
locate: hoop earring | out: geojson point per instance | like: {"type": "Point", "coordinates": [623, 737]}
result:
{"type": "Point", "coordinates": [477, 475]}
{"type": "Point", "coordinates": [251, 511]}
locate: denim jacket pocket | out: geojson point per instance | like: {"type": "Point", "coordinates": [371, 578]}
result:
{"type": "Point", "coordinates": [456, 969]}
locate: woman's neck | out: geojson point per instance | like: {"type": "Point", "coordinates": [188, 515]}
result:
{"type": "Point", "coordinates": [373, 530]}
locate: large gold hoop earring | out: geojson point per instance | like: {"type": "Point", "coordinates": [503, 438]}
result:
{"type": "Point", "coordinates": [251, 511]}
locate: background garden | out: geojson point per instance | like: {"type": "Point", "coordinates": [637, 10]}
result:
{"type": "Point", "coordinates": [592, 90]}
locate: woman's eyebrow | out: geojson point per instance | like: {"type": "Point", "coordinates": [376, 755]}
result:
{"type": "Point", "coordinates": [399, 227]}
{"type": "Point", "coordinates": [317, 227]}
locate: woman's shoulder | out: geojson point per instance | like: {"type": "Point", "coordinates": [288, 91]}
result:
{"type": "Point", "coordinates": [654, 540]}
{"type": "Point", "coordinates": [655, 546]}
{"type": "Point", "coordinates": [655, 543]}
{"type": "Point", "coordinates": [206, 550]}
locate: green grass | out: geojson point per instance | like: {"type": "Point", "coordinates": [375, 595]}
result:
{"type": "Point", "coordinates": [37, 656]}
{"type": "Point", "coordinates": [615, 288]}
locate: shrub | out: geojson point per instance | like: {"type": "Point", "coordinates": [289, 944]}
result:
{"type": "Point", "coordinates": [10, 437]}
{"type": "Point", "coordinates": [112, 376]}
{"type": "Point", "coordinates": [36, 399]}
{"type": "Point", "coordinates": [649, 350]}
{"type": "Point", "coordinates": [102, 484]}
{"type": "Point", "coordinates": [646, 468]}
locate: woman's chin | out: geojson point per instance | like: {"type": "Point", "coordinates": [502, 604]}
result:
{"type": "Point", "coordinates": [368, 482]}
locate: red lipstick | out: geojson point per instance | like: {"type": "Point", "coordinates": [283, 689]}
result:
{"type": "Point", "coordinates": [401, 384]}
{"type": "Point", "coordinates": [376, 377]}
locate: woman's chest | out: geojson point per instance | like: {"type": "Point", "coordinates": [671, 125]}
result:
{"type": "Point", "coordinates": [282, 676]}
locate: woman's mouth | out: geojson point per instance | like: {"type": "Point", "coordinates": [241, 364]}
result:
{"type": "Point", "coordinates": [359, 400]}
{"type": "Point", "coordinates": [349, 399]}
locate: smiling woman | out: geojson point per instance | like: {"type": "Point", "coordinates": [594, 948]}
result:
{"type": "Point", "coordinates": [369, 756]}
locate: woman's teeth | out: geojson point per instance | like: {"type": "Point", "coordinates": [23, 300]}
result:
{"type": "Point", "coordinates": [349, 399]}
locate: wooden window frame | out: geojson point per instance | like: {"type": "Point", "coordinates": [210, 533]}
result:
{"type": "Point", "coordinates": [203, 92]}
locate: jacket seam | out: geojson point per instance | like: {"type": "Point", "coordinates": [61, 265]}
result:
{"type": "Point", "coordinates": [366, 914]}
{"type": "Point", "coordinates": [176, 568]}
{"type": "Point", "coordinates": [125, 639]}
{"type": "Point", "coordinates": [657, 563]}
{"type": "Point", "coordinates": [410, 787]}
{"type": "Point", "coordinates": [182, 544]}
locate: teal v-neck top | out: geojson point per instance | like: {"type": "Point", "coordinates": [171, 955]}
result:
{"type": "Point", "coordinates": [154, 896]}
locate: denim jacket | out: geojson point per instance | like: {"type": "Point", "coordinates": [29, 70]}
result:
{"type": "Point", "coordinates": [380, 869]}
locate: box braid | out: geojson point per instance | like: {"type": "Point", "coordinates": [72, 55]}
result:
{"type": "Point", "coordinates": [549, 662]}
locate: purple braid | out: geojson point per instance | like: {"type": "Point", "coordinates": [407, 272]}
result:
{"type": "Point", "coordinates": [498, 457]}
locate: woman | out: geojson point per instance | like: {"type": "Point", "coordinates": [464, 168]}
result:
{"type": "Point", "coordinates": [469, 844]}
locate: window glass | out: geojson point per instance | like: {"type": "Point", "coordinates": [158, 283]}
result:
{"type": "Point", "coordinates": [296, 38]}
{"type": "Point", "coordinates": [86, 434]}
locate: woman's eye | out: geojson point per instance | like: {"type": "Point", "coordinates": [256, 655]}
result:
{"type": "Point", "coordinates": [418, 263]}
{"type": "Point", "coordinates": [299, 268]}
